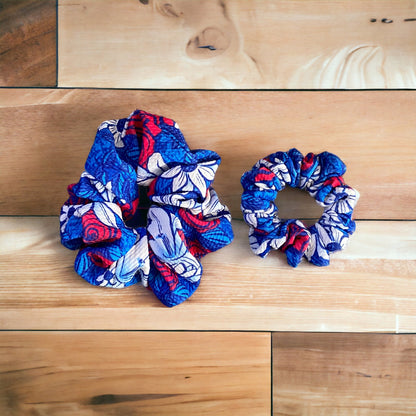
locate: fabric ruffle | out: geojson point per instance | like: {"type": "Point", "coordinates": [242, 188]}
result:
{"type": "Point", "coordinates": [321, 176]}
{"type": "Point", "coordinates": [144, 209]}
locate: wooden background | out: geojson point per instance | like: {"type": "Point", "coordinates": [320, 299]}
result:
{"type": "Point", "coordinates": [258, 337]}
{"type": "Point", "coordinates": [237, 44]}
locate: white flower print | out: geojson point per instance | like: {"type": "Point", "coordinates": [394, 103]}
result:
{"type": "Point", "coordinates": [82, 210]}
{"type": "Point", "coordinates": [316, 246]}
{"type": "Point", "coordinates": [276, 243]}
{"type": "Point", "coordinates": [118, 135]}
{"type": "Point", "coordinates": [282, 172]}
{"type": "Point", "coordinates": [105, 190]}
{"type": "Point", "coordinates": [106, 214]}
{"type": "Point", "coordinates": [177, 200]}
{"type": "Point", "coordinates": [110, 281]}
{"type": "Point", "coordinates": [250, 218]}
{"type": "Point", "coordinates": [66, 212]}
{"type": "Point", "coordinates": [310, 183]}
{"type": "Point", "coordinates": [278, 168]}
{"type": "Point", "coordinates": [168, 245]}
{"type": "Point", "coordinates": [212, 207]}
{"type": "Point", "coordinates": [342, 199]}
{"type": "Point", "coordinates": [136, 259]}
{"type": "Point", "coordinates": [155, 167]}
{"type": "Point", "coordinates": [186, 181]}
{"type": "Point", "coordinates": [156, 164]}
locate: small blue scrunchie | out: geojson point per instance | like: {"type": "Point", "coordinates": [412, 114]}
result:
{"type": "Point", "coordinates": [321, 176]}
{"type": "Point", "coordinates": [144, 209]}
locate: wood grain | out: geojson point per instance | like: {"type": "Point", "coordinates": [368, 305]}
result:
{"type": "Point", "coordinates": [47, 134]}
{"type": "Point", "coordinates": [238, 44]}
{"type": "Point", "coordinates": [27, 43]}
{"type": "Point", "coordinates": [371, 286]}
{"type": "Point", "coordinates": [134, 373]}
{"type": "Point", "coordinates": [344, 374]}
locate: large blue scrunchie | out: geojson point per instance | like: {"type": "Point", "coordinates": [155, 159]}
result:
{"type": "Point", "coordinates": [321, 176]}
{"type": "Point", "coordinates": [137, 164]}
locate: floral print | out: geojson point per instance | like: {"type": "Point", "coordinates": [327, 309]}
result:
{"type": "Point", "coordinates": [321, 176]}
{"type": "Point", "coordinates": [185, 220]}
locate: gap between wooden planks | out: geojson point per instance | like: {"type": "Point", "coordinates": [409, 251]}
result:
{"type": "Point", "coordinates": [47, 134]}
{"type": "Point", "coordinates": [369, 287]}
{"type": "Point", "coordinates": [135, 373]}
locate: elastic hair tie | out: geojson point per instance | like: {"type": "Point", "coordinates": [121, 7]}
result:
{"type": "Point", "coordinates": [144, 209]}
{"type": "Point", "coordinates": [321, 176]}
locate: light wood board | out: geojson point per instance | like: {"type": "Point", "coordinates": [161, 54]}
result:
{"type": "Point", "coordinates": [237, 44]}
{"type": "Point", "coordinates": [371, 286]}
{"type": "Point", "coordinates": [134, 373]}
{"type": "Point", "coordinates": [28, 43]}
{"type": "Point", "coordinates": [91, 359]}
{"type": "Point", "coordinates": [344, 374]}
{"type": "Point", "coordinates": [46, 136]}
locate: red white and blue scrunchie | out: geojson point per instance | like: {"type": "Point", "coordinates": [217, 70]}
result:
{"type": "Point", "coordinates": [144, 209]}
{"type": "Point", "coordinates": [321, 176]}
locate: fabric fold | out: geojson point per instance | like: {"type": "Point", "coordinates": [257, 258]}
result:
{"type": "Point", "coordinates": [321, 176]}
{"type": "Point", "coordinates": [185, 218]}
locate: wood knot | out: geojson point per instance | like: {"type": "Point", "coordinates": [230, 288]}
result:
{"type": "Point", "coordinates": [208, 43]}
{"type": "Point", "coordinates": [168, 10]}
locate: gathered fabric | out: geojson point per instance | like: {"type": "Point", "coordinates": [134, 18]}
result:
{"type": "Point", "coordinates": [144, 209]}
{"type": "Point", "coordinates": [321, 176]}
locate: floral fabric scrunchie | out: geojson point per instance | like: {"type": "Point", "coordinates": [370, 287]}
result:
{"type": "Point", "coordinates": [321, 176]}
{"type": "Point", "coordinates": [144, 209]}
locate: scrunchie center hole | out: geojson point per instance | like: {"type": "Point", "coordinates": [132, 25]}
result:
{"type": "Point", "coordinates": [140, 216]}
{"type": "Point", "coordinates": [296, 203]}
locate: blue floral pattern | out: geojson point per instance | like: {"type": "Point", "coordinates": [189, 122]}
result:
{"type": "Point", "coordinates": [185, 220]}
{"type": "Point", "coordinates": [321, 176]}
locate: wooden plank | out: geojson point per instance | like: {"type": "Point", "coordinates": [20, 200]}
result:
{"type": "Point", "coordinates": [133, 373]}
{"type": "Point", "coordinates": [344, 374]}
{"type": "Point", "coordinates": [27, 43]}
{"type": "Point", "coordinates": [47, 134]}
{"type": "Point", "coordinates": [237, 44]}
{"type": "Point", "coordinates": [371, 286]}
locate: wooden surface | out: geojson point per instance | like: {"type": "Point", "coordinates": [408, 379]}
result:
{"type": "Point", "coordinates": [88, 361]}
{"type": "Point", "coordinates": [133, 373]}
{"type": "Point", "coordinates": [28, 43]}
{"type": "Point", "coordinates": [344, 374]}
{"type": "Point", "coordinates": [371, 286]}
{"type": "Point", "coordinates": [237, 44]}
{"type": "Point", "coordinates": [51, 132]}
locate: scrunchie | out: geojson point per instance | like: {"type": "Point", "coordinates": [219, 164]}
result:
{"type": "Point", "coordinates": [321, 176]}
{"type": "Point", "coordinates": [144, 209]}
